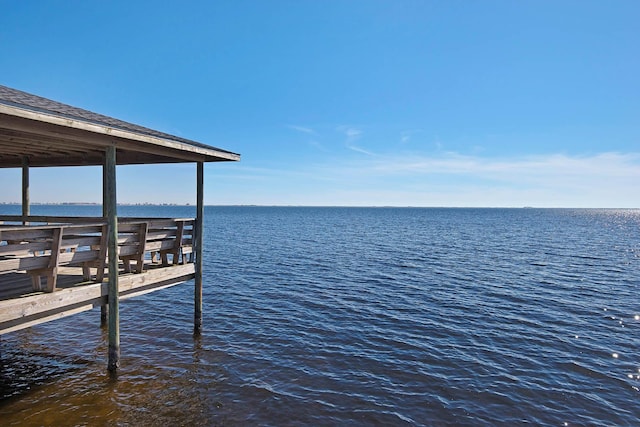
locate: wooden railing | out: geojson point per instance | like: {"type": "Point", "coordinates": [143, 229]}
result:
{"type": "Point", "coordinates": [39, 250]}
{"type": "Point", "coordinates": [50, 220]}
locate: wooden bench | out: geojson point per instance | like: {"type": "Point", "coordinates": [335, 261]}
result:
{"type": "Point", "coordinates": [161, 237]}
{"type": "Point", "coordinates": [41, 250]}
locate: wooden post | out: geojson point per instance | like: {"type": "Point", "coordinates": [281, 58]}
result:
{"type": "Point", "coordinates": [26, 208]}
{"type": "Point", "coordinates": [103, 307]}
{"type": "Point", "coordinates": [198, 236]}
{"type": "Point", "coordinates": [112, 219]}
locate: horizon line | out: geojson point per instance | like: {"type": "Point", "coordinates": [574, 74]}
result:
{"type": "Point", "coordinates": [168, 204]}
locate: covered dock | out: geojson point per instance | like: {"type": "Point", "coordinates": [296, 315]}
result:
{"type": "Point", "coordinates": [52, 267]}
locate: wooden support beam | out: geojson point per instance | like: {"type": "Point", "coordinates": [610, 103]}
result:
{"type": "Point", "coordinates": [26, 208]}
{"type": "Point", "coordinates": [198, 236]}
{"type": "Point", "coordinates": [103, 307]}
{"type": "Point", "coordinates": [112, 220]}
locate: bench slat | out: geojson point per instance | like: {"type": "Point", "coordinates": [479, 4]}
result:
{"type": "Point", "coordinates": [26, 263]}
{"type": "Point", "coordinates": [78, 257]}
{"type": "Point", "coordinates": [80, 241]}
{"type": "Point", "coordinates": [23, 234]}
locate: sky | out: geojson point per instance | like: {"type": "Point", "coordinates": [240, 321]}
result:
{"type": "Point", "coordinates": [488, 103]}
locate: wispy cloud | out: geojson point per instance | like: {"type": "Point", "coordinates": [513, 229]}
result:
{"type": "Point", "coordinates": [602, 164]}
{"type": "Point", "coordinates": [309, 131]}
{"type": "Point", "coordinates": [405, 136]}
{"type": "Point", "coordinates": [607, 179]}
{"type": "Point", "coordinates": [302, 129]}
{"type": "Point", "coordinates": [451, 179]}
{"type": "Point", "coordinates": [317, 145]}
{"type": "Point", "coordinates": [359, 150]}
{"type": "Point", "coordinates": [352, 135]}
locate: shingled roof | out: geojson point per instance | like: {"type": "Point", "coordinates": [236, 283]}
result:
{"type": "Point", "coordinates": [50, 133]}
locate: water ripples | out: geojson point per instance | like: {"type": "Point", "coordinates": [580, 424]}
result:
{"type": "Point", "coordinates": [336, 316]}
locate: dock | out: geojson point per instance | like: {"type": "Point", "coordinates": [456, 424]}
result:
{"type": "Point", "coordinates": [53, 267]}
{"type": "Point", "coordinates": [54, 270]}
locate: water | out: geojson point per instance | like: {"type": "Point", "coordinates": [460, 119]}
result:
{"type": "Point", "coordinates": [359, 316]}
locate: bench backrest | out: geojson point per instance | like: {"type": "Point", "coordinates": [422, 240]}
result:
{"type": "Point", "coordinates": [38, 247]}
{"type": "Point", "coordinates": [33, 248]}
{"type": "Point", "coordinates": [157, 235]}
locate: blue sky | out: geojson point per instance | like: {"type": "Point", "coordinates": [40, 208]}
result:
{"type": "Point", "coordinates": [399, 102]}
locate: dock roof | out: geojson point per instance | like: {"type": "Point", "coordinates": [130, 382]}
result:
{"type": "Point", "coordinates": [50, 133]}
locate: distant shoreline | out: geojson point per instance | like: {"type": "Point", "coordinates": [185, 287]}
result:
{"type": "Point", "coordinates": [93, 204]}
{"type": "Point", "coordinates": [312, 206]}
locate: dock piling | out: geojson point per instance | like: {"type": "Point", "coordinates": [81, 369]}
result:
{"type": "Point", "coordinates": [26, 208]}
{"type": "Point", "coordinates": [112, 219]}
{"type": "Point", "coordinates": [198, 235]}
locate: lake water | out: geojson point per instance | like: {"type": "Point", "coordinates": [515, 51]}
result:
{"type": "Point", "coordinates": [359, 316]}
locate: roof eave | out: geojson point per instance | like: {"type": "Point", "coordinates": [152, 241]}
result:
{"type": "Point", "coordinates": [193, 152]}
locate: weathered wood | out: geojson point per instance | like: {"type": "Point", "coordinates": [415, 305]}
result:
{"type": "Point", "coordinates": [128, 227]}
{"type": "Point", "coordinates": [79, 257]}
{"type": "Point", "coordinates": [34, 307]}
{"type": "Point", "coordinates": [155, 234]}
{"type": "Point", "coordinates": [154, 222]}
{"type": "Point", "coordinates": [47, 219]}
{"type": "Point", "coordinates": [177, 246]}
{"type": "Point", "coordinates": [25, 263]}
{"type": "Point", "coordinates": [21, 249]}
{"type": "Point", "coordinates": [127, 238]}
{"type": "Point", "coordinates": [83, 229]}
{"type": "Point", "coordinates": [112, 218]}
{"type": "Point", "coordinates": [161, 224]}
{"type": "Point", "coordinates": [165, 237]}
{"type": "Point", "coordinates": [80, 141]}
{"type": "Point", "coordinates": [135, 252]}
{"type": "Point", "coordinates": [102, 256]}
{"type": "Point", "coordinates": [129, 250]}
{"type": "Point", "coordinates": [25, 233]}
{"type": "Point", "coordinates": [198, 236]}
{"type": "Point", "coordinates": [41, 250]}
{"type": "Point", "coordinates": [103, 307]}
{"type": "Point", "coordinates": [19, 313]}
{"type": "Point", "coordinates": [25, 187]}
{"type": "Point", "coordinates": [135, 284]}
{"type": "Point", "coordinates": [34, 133]}
{"type": "Point", "coordinates": [73, 242]}
{"type": "Point", "coordinates": [161, 245]}
{"type": "Point", "coordinates": [29, 248]}
{"type": "Point", "coordinates": [51, 270]}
